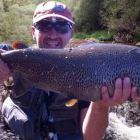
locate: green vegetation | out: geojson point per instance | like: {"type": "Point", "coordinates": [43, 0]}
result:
{"type": "Point", "coordinates": [85, 14]}
{"type": "Point", "coordinates": [121, 17]}
{"type": "Point", "coordinates": [106, 20]}
{"type": "Point", "coordinates": [136, 38]}
{"type": "Point", "coordinates": [102, 35]}
{"type": "Point", "coordinates": [80, 35]}
{"type": "Point", "coordinates": [16, 21]}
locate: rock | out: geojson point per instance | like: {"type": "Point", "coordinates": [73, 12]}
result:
{"type": "Point", "coordinates": [92, 39]}
{"type": "Point", "coordinates": [137, 44]}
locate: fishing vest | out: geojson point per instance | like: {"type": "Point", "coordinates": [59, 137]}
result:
{"type": "Point", "coordinates": [62, 119]}
{"type": "Point", "coordinates": [25, 113]}
{"type": "Point", "coordinates": [66, 119]}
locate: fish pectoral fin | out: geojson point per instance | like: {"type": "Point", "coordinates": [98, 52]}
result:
{"type": "Point", "coordinates": [20, 85]}
{"type": "Point", "coordinates": [71, 102]}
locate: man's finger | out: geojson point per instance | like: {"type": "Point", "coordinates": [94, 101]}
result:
{"type": "Point", "coordinates": [134, 94]}
{"type": "Point", "coordinates": [4, 68]}
{"type": "Point", "coordinates": [126, 89]}
{"type": "Point", "coordinates": [105, 96]}
{"type": "Point", "coordinates": [1, 51]}
{"type": "Point", "coordinates": [3, 78]}
{"type": "Point", "coordinates": [118, 91]}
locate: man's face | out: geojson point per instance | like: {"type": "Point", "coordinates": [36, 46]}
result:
{"type": "Point", "coordinates": [49, 34]}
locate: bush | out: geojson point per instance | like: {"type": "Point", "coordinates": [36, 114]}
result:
{"type": "Point", "coordinates": [121, 17]}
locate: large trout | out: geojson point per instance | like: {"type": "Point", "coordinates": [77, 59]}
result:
{"type": "Point", "coordinates": [77, 72]}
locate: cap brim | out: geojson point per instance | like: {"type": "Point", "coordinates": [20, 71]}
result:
{"type": "Point", "coordinates": [51, 15]}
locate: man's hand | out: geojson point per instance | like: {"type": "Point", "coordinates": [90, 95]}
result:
{"type": "Point", "coordinates": [4, 70]}
{"type": "Point", "coordinates": [123, 91]}
{"type": "Point", "coordinates": [96, 118]}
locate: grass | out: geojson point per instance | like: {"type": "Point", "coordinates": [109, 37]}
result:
{"type": "Point", "coordinates": [80, 35]}
{"type": "Point", "coordinates": [102, 35]}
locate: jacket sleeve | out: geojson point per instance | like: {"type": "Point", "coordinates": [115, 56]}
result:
{"type": "Point", "coordinates": [6, 47]}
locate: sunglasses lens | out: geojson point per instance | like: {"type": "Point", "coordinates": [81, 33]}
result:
{"type": "Point", "coordinates": [46, 28]}
{"type": "Point", "coordinates": [63, 29]}
{"type": "Point", "coordinates": [43, 26]}
{"type": "Point", "coordinates": [60, 27]}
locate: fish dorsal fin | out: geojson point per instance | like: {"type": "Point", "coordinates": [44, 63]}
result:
{"type": "Point", "coordinates": [19, 45]}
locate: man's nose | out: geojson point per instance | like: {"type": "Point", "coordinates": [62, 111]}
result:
{"type": "Point", "coordinates": [53, 34]}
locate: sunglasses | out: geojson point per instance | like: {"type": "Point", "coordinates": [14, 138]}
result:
{"type": "Point", "coordinates": [61, 27]}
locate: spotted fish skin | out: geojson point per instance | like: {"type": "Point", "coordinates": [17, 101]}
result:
{"type": "Point", "coordinates": [78, 72]}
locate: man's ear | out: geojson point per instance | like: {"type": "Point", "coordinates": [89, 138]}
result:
{"type": "Point", "coordinates": [33, 33]}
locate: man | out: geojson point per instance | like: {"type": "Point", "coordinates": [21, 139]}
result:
{"type": "Point", "coordinates": [42, 118]}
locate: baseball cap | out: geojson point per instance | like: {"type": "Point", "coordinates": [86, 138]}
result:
{"type": "Point", "coordinates": [52, 9]}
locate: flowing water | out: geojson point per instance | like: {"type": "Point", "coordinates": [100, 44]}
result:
{"type": "Point", "coordinates": [118, 129]}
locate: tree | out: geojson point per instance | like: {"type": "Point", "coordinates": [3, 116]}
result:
{"type": "Point", "coordinates": [122, 17]}
{"type": "Point", "coordinates": [85, 14]}
{"type": "Point", "coordinates": [15, 23]}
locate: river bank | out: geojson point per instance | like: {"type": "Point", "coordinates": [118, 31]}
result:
{"type": "Point", "coordinates": [75, 42]}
